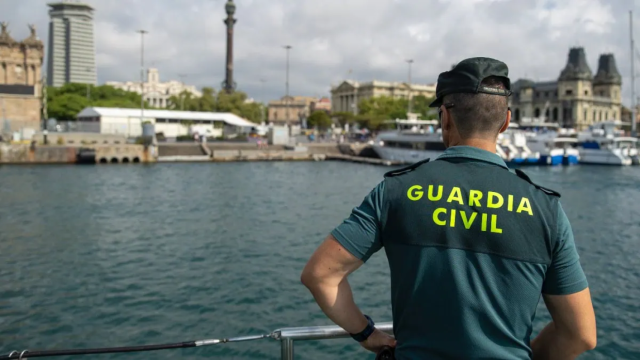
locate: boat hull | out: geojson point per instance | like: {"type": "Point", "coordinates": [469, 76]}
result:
{"type": "Point", "coordinates": [603, 157]}
{"type": "Point", "coordinates": [405, 156]}
{"type": "Point", "coordinates": [562, 157]}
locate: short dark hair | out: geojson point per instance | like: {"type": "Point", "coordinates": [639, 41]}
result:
{"type": "Point", "coordinates": [479, 115]}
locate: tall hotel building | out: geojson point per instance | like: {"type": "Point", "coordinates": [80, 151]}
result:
{"type": "Point", "coordinates": [71, 55]}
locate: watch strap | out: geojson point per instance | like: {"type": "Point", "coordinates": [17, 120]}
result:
{"type": "Point", "coordinates": [364, 334]}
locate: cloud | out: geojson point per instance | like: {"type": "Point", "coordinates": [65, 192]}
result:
{"type": "Point", "coordinates": [373, 38]}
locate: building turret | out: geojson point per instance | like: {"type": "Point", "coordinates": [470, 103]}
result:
{"type": "Point", "coordinates": [608, 81]}
{"type": "Point", "coordinates": [575, 89]}
{"type": "Point", "coordinates": [607, 71]}
{"type": "Point", "coordinates": [5, 36]}
{"type": "Point", "coordinates": [577, 67]}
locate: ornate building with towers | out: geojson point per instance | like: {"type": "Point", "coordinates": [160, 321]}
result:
{"type": "Point", "coordinates": [577, 99]}
{"type": "Point", "coordinates": [20, 80]}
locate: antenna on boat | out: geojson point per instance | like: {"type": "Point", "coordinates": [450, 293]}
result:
{"type": "Point", "coordinates": [633, 77]}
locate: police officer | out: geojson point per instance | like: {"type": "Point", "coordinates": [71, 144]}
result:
{"type": "Point", "coordinates": [471, 245]}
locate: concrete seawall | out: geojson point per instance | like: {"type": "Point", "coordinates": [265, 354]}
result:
{"type": "Point", "coordinates": [55, 154]}
{"type": "Point", "coordinates": [25, 154]}
{"type": "Point", "coordinates": [118, 152]}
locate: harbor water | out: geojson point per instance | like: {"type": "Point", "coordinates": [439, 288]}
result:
{"type": "Point", "coordinates": [97, 256]}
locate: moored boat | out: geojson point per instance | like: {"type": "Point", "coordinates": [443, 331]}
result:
{"type": "Point", "coordinates": [413, 140]}
{"type": "Point", "coordinates": [604, 144]}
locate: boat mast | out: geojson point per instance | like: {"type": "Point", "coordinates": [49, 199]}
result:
{"type": "Point", "coordinates": [633, 77]}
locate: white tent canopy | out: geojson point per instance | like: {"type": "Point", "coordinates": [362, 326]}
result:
{"type": "Point", "coordinates": [128, 121]}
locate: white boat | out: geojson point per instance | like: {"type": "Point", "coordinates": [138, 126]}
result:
{"type": "Point", "coordinates": [544, 137]}
{"type": "Point", "coordinates": [413, 140]}
{"type": "Point", "coordinates": [563, 150]}
{"type": "Point", "coordinates": [513, 148]}
{"type": "Point", "coordinates": [604, 144]}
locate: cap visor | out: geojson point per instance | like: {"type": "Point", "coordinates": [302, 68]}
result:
{"type": "Point", "coordinates": [436, 103]}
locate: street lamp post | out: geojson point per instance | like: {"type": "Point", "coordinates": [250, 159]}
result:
{"type": "Point", "coordinates": [286, 101]}
{"type": "Point", "coordinates": [142, 33]}
{"type": "Point", "coordinates": [410, 61]}
{"type": "Point", "coordinates": [262, 81]}
{"type": "Point", "coordinates": [633, 75]}
{"type": "Point", "coordinates": [88, 87]}
{"type": "Point", "coordinates": [182, 76]}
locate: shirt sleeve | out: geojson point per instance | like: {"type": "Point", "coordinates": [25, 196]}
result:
{"type": "Point", "coordinates": [565, 275]}
{"type": "Point", "coordinates": [360, 232]}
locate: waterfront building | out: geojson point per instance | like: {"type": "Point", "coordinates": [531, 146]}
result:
{"type": "Point", "coordinates": [71, 54]}
{"type": "Point", "coordinates": [577, 99]}
{"type": "Point", "coordinates": [346, 96]}
{"type": "Point", "coordinates": [292, 110]}
{"type": "Point", "coordinates": [155, 92]}
{"type": "Point", "coordinates": [168, 122]}
{"type": "Point", "coordinates": [323, 104]}
{"type": "Point", "coordinates": [20, 81]}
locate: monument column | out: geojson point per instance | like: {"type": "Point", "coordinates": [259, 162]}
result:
{"type": "Point", "coordinates": [228, 84]}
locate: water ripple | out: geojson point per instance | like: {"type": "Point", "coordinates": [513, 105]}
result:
{"type": "Point", "coordinates": [110, 256]}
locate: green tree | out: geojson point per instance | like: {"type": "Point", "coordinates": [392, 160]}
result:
{"type": "Point", "coordinates": [208, 101]}
{"type": "Point", "coordinates": [66, 107]}
{"type": "Point", "coordinates": [420, 105]}
{"type": "Point", "coordinates": [386, 106]}
{"type": "Point", "coordinates": [319, 119]}
{"type": "Point", "coordinates": [65, 102]}
{"type": "Point", "coordinates": [183, 101]}
{"type": "Point", "coordinates": [344, 118]}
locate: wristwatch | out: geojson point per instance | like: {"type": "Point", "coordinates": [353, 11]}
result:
{"type": "Point", "coordinates": [364, 334]}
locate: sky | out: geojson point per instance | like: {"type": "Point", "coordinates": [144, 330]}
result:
{"type": "Point", "coordinates": [333, 40]}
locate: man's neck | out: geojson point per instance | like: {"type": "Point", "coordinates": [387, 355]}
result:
{"type": "Point", "coordinates": [483, 144]}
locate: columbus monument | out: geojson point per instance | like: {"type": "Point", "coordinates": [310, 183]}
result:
{"type": "Point", "coordinates": [228, 84]}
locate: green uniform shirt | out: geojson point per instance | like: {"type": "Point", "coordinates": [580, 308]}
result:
{"type": "Point", "coordinates": [455, 301]}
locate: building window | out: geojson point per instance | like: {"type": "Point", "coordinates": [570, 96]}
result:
{"type": "Point", "coordinates": [546, 114]}
{"type": "Point", "coordinates": [536, 113]}
{"type": "Point", "coordinates": [555, 114]}
{"type": "Point", "coordinates": [594, 115]}
{"type": "Point", "coordinates": [606, 115]}
{"type": "Point", "coordinates": [568, 92]}
{"type": "Point", "coordinates": [546, 94]}
{"type": "Point", "coordinates": [537, 94]}
{"type": "Point", "coordinates": [585, 115]}
{"type": "Point", "coordinates": [586, 92]}
{"type": "Point", "coordinates": [517, 114]}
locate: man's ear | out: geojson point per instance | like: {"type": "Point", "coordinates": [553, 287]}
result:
{"type": "Point", "coordinates": [507, 122]}
{"type": "Point", "coordinates": [446, 120]}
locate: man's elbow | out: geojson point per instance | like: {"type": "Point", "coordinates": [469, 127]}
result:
{"type": "Point", "coordinates": [307, 278]}
{"type": "Point", "coordinates": [589, 341]}
{"type": "Point", "coordinates": [584, 340]}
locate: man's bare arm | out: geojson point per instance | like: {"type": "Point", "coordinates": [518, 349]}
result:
{"type": "Point", "coordinates": [325, 275]}
{"type": "Point", "coordinates": [572, 330]}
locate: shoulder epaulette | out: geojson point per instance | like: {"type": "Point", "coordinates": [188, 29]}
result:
{"type": "Point", "coordinates": [406, 169]}
{"type": "Point", "coordinates": [524, 176]}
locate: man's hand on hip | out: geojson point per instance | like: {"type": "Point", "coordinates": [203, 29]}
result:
{"type": "Point", "coordinates": [377, 340]}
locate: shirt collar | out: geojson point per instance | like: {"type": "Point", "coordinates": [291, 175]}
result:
{"type": "Point", "coordinates": [473, 153]}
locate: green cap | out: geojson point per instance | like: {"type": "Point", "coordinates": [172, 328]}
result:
{"type": "Point", "coordinates": [467, 75]}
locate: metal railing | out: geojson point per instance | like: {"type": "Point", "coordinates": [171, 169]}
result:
{"type": "Point", "coordinates": [288, 336]}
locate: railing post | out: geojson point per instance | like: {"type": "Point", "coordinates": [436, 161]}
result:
{"type": "Point", "coordinates": [286, 349]}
